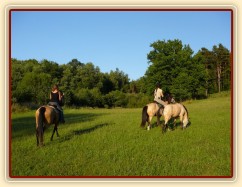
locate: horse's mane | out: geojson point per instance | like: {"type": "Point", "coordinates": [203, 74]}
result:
{"type": "Point", "coordinates": [185, 108]}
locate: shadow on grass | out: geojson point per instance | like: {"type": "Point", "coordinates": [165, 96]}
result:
{"type": "Point", "coordinates": [23, 126]}
{"type": "Point", "coordinates": [81, 132]}
{"type": "Point", "coordinates": [89, 130]}
{"type": "Point", "coordinates": [155, 125]}
{"type": "Point", "coordinates": [172, 124]}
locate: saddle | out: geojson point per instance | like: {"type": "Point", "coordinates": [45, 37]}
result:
{"type": "Point", "coordinates": [54, 106]}
{"type": "Point", "coordinates": [57, 110]}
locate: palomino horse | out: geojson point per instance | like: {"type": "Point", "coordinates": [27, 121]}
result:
{"type": "Point", "coordinates": [175, 111]}
{"type": "Point", "coordinates": [153, 109]}
{"type": "Point", "coordinates": [149, 111]}
{"type": "Point", "coordinates": [45, 116]}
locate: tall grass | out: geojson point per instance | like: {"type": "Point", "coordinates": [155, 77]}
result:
{"type": "Point", "coordinates": [110, 142]}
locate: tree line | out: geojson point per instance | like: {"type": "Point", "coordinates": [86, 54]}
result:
{"type": "Point", "coordinates": [172, 64]}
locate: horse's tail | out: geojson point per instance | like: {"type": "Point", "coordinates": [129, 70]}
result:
{"type": "Point", "coordinates": [40, 125]}
{"type": "Point", "coordinates": [144, 116]}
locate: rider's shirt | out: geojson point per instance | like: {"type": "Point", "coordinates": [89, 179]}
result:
{"type": "Point", "coordinates": [55, 97]}
{"type": "Point", "coordinates": [158, 93]}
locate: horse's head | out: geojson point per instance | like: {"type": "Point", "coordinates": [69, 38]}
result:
{"type": "Point", "coordinates": [173, 100]}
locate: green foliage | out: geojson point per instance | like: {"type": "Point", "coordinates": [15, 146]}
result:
{"type": "Point", "coordinates": [33, 88]}
{"type": "Point", "coordinates": [138, 100]}
{"type": "Point", "coordinates": [88, 97]}
{"type": "Point", "coordinates": [119, 79]}
{"type": "Point", "coordinates": [17, 108]}
{"type": "Point", "coordinates": [167, 60]}
{"type": "Point", "coordinates": [171, 63]}
{"type": "Point", "coordinates": [184, 75]}
{"type": "Point", "coordinates": [217, 67]}
{"type": "Point", "coordinates": [180, 87]}
{"type": "Point", "coordinates": [115, 99]}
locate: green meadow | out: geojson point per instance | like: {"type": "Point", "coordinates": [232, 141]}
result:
{"type": "Point", "coordinates": [109, 142]}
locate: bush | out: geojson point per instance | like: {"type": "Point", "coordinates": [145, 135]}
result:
{"type": "Point", "coordinates": [89, 97]}
{"type": "Point", "coordinates": [115, 99]}
{"type": "Point", "coordinates": [96, 99]}
{"type": "Point", "coordinates": [15, 107]}
{"type": "Point", "coordinates": [109, 100]}
{"type": "Point", "coordinates": [137, 100]}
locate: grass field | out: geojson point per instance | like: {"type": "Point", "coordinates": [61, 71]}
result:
{"type": "Point", "coordinates": [110, 142]}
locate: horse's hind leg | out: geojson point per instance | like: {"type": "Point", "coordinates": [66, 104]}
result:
{"type": "Point", "coordinates": [159, 114]}
{"type": "Point", "coordinates": [149, 123]}
{"type": "Point", "coordinates": [164, 127]}
{"type": "Point", "coordinates": [40, 137]}
{"type": "Point", "coordinates": [37, 137]}
{"type": "Point", "coordinates": [167, 118]}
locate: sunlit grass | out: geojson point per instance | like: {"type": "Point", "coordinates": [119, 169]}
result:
{"type": "Point", "coordinates": [110, 142]}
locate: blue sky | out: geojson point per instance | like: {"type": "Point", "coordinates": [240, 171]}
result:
{"type": "Point", "coordinates": [113, 39]}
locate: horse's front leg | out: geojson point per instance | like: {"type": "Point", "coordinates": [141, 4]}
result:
{"type": "Point", "coordinates": [174, 123]}
{"type": "Point", "coordinates": [57, 132]}
{"type": "Point", "coordinates": [164, 127]}
{"type": "Point", "coordinates": [181, 122]}
{"type": "Point", "coordinates": [52, 134]}
{"type": "Point", "coordinates": [158, 120]}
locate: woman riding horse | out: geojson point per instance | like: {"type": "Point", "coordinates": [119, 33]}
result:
{"type": "Point", "coordinates": [156, 108]}
{"type": "Point", "coordinates": [158, 95]}
{"type": "Point", "coordinates": [49, 114]}
{"type": "Point", "coordinates": [56, 100]}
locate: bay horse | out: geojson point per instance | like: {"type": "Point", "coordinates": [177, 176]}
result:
{"type": "Point", "coordinates": [45, 116]}
{"type": "Point", "coordinates": [176, 110]}
{"type": "Point", "coordinates": [154, 109]}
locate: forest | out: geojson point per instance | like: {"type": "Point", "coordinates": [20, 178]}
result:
{"type": "Point", "coordinates": [180, 72]}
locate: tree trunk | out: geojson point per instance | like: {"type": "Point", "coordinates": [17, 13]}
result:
{"type": "Point", "coordinates": [219, 77]}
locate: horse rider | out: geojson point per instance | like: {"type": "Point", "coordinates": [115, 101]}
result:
{"type": "Point", "coordinates": [158, 95]}
{"type": "Point", "coordinates": [56, 97]}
